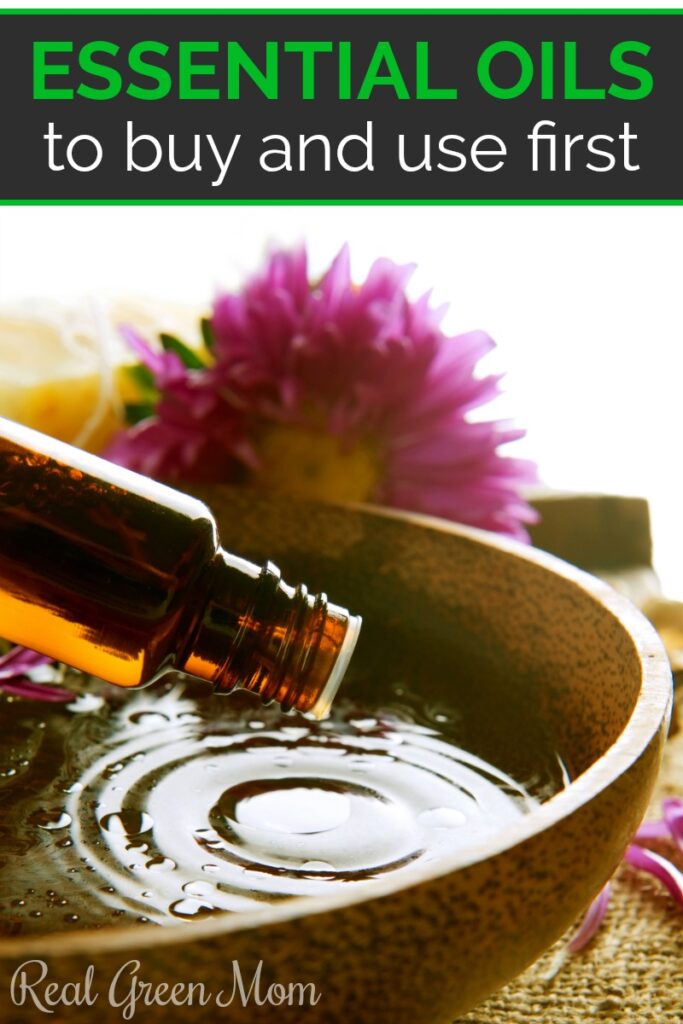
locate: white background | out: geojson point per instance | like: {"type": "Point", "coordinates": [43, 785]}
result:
{"type": "Point", "coordinates": [584, 303]}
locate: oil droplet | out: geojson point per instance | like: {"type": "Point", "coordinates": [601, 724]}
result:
{"type": "Point", "coordinates": [298, 806]}
{"type": "Point", "coordinates": [127, 822]}
{"type": "Point", "coordinates": [52, 819]}
{"type": "Point", "coordinates": [442, 817]}
{"type": "Point", "coordinates": [84, 703]}
{"type": "Point", "coordinates": [318, 867]}
{"type": "Point", "coordinates": [71, 917]}
{"type": "Point", "coordinates": [148, 718]}
{"type": "Point", "coordinates": [160, 863]}
{"type": "Point", "coordinates": [293, 732]}
{"type": "Point", "coordinates": [207, 837]}
{"type": "Point", "coordinates": [190, 908]}
{"type": "Point", "coordinates": [200, 889]}
{"type": "Point", "coordinates": [364, 724]}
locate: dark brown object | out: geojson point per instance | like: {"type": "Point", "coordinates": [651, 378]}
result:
{"type": "Point", "coordinates": [610, 535]}
{"type": "Point", "coordinates": [124, 578]}
{"type": "Point", "coordinates": [594, 531]}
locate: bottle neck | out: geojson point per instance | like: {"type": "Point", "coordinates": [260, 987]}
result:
{"type": "Point", "coordinates": [280, 642]}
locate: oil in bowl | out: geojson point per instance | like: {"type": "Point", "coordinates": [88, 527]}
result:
{"type": "Point", "coordinates": [168, 806]}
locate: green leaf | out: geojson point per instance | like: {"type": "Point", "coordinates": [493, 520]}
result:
{"type": "Point", "coordinates": [137, 411]}
{"type": "Point", "coordinates": [143, 378]}
{"type": "Point", "coordinates": [207, 334]}
{"type": "Point", "coordinates": [189, 358]}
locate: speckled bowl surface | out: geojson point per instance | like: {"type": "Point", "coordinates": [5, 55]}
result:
{"type": "Point", "coordinates": [512, 636]}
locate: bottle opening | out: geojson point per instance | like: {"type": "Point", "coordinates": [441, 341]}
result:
{"type": "Point", "coordinates": [321, 708]}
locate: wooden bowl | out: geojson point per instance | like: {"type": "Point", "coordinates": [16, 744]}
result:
{"type": "Point", "coordinates": [513, 636]}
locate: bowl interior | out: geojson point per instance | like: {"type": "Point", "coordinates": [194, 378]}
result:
{"type": "Point", "coordinates": [528, 656]}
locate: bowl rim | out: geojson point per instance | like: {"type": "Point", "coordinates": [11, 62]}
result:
{"type": "Point", "coordinates": [651, 711]}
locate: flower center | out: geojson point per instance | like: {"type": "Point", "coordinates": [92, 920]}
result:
{"type": "Point", "coordinates": [310, 464]}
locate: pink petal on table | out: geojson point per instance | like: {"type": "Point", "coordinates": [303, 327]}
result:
{"type": "Point", "coordinates": [660, 867]}
{"type": "Point", "coordinates": [19, 659]}
{"type": "Point", "coordinates": [672, 808]}
{"type": "Point", "coordinates": [592, 920]}
{"type": "Point", "coordinates": [15, 679]}
{"type": "Point", "coordinates": [653, 830]}
{"type": "Point", "coordinates": [36, 691]}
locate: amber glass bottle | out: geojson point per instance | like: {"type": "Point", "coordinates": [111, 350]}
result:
{"type": "Point", "coordinates": [122, 577]}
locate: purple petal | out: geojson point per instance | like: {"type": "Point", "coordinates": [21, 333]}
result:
{"type": "Point", "coordinates": [592, 920]}
{"type": "Point", "coordinates": [385, 278]}
{"type": "Point", "coordinates": [37, 691]}
{"type": "Point", "coordinates": [167, 367]}
{"type": "Point", "coordinates": [337, 280]}
{"type": "Point", "coordinates": [669, 875]}
{"type": "Point", "coordinates": [152, 359]}
{"type": "Point", "coordinates": [672, 809]}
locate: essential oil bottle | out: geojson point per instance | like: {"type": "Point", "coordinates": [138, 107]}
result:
{"type": "Point", "coordinates": [124, 578]}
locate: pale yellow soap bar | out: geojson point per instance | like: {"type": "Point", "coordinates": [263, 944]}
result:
{"type": "Point", "coordinates": [62, 371]}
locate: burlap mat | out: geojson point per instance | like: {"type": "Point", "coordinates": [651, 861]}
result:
{"type": "Point", "coordinates": [632, 973]}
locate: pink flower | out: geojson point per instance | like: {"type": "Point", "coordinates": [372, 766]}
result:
{"type": "Point", "coordinates": [15, 670]}
{"type": "Point", "coordinates": [329, 390]}
{"type": "Point", "coordinates": [669, 827]}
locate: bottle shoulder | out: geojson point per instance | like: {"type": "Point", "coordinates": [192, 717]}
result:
{"type": "Point", "coordinates": [94, 466]}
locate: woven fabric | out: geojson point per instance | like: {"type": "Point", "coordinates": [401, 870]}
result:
{"type": "Point", "coordinates": [632, 973]}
